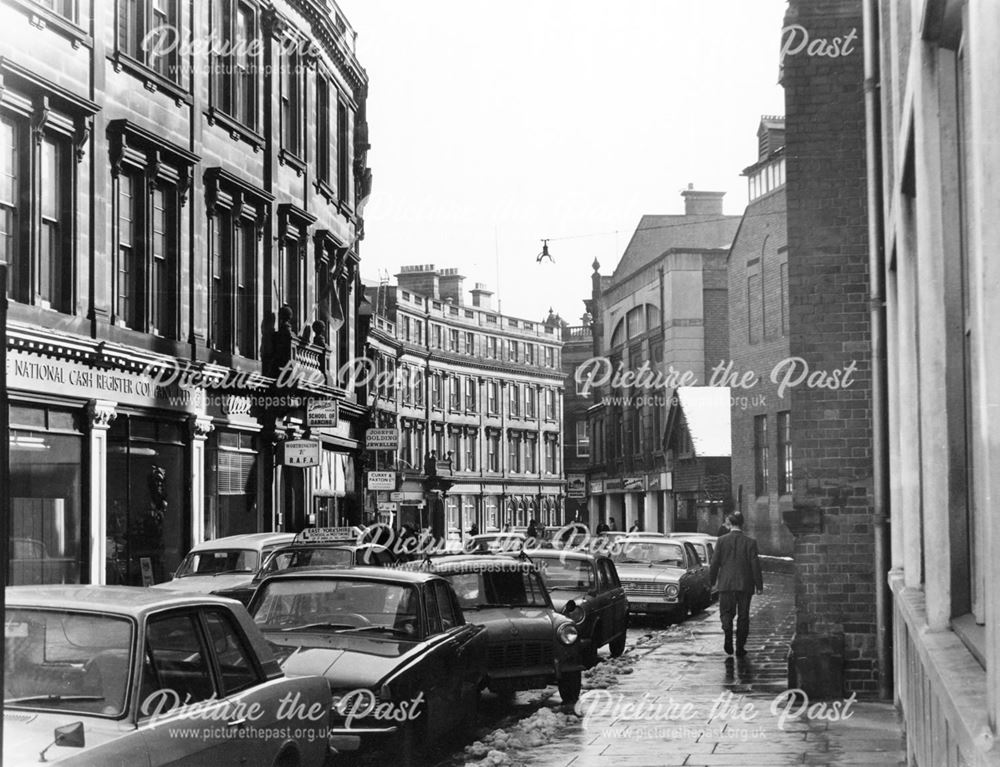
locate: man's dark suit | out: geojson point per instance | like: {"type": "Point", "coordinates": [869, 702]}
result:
{"type": "Point", "coordinates": [736, 568]}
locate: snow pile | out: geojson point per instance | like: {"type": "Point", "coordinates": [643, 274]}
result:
{"type": "Point", "coordinates": [606, 673]}
{"type": "Point", "coordinates": [536, 730]}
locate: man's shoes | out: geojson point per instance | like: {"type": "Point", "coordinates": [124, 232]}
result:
{"type": "Point", "coordinates": [727, 645]}
{"type": "Point", "coordinates": [741, 653]}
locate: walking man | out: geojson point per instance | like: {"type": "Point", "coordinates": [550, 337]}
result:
{"type": "Point", "coordinates": [736, 567]}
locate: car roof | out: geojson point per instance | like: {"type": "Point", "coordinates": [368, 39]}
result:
{"type": "Point", "coordinates": [654, 539]}
{"type": "Point", "coordinates": [132, 601]}
{"type": "Point", "coordinates": [244, 541]}
{"type": "Point", "coordinates": [391, 574]}
{"type": "Point", "coordinates": [563, 553]}
{"type": "Point", "coordinates": [477, 562]}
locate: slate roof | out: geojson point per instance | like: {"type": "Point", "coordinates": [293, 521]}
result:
{"type": "Point", "coordinates": [655, 235]}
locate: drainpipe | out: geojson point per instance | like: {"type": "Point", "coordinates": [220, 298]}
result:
{"type": "Point", "coordinates": [880, 432]}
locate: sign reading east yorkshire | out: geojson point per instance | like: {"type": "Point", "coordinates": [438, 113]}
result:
{"type": "Point", "coordinates": [301, 452]}
{"type": "Point", "coordinates": [381, 480]}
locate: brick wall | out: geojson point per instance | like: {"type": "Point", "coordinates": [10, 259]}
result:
{"type": "Point", "coordinates": [760, 247]}
{"type": "Point", "coordinates": [827, 263]}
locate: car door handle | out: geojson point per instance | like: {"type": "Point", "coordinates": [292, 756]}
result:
{"type": "Point", "coordinates": [236, 723]}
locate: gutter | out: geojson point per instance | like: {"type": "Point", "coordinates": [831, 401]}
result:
{"type": "Point", "coordinates": [876, 274]}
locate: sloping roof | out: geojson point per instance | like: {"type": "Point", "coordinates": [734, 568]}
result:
{"type": "Point", "coordinates": [655, 235]}
{"type": "Point", "coordinates": [706, 412]}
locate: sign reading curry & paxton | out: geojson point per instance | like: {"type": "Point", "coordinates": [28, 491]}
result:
{"type": "Point", "coordinates": [31, 372]}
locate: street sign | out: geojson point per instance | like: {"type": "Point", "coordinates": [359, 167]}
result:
{"type": "Point", "coordinates": [301, 452]}
{"type": "Point", "coordinates": [396, 496]}
{"type": "Point", "coordinates": [381, 480]}
{"type": "Point", "coordinates": [323, 413]}
{"type": "Point", "coordinates": [382, 439]}
{"type": "Point", "coordinates": [388, 506]}
{"type": "Point", "coordinates": [576, 486]}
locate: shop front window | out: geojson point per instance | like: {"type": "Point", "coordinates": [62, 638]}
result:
{"type": "Point", "coordinates": [46, 492]}
{"type": "Point", "coordinates": [231, 487]}
{"type": "Point", "coordinates": [148, 517]}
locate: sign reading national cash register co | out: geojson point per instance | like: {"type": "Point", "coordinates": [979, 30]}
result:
{"type": "Point", "coordinates": [382, 439]}
{"type": "Point", "coordinates": [301, 452]}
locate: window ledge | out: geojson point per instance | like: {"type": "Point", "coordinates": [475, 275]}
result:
{"type": "Point", "coordinates": [326, 191]}
{"type": "Point", "coordinates": [152, 80]}
{"type": "Point", "coordinates": [237, 131]}
{"type": "Point", "coordinates": [292, 161]}
{"type": "Point", "coordinates": [973, 636]}
{"type": "Point", "coordinates": [44, 18]}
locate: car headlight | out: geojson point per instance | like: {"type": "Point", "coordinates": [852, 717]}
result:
{"type": "Point", "coordinates": [574, 612]}
{"type": "Point", "coordinates": [671, 590]}
{"type": "Point", "coordinates": [567, 633]}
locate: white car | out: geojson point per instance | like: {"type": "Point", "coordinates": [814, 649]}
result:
{"type": "Point", "coordinates": [125, 675]}
{"type": "Point", "coordinates": [224, 563]}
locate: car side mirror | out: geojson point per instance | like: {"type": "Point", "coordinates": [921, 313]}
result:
{"type": "Point", "coordinates": [69, 736]}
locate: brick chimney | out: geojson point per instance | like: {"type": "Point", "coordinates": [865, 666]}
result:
{"type": "Point", "coordinates": [699, 203]}
{"type": "Point", "coordinates": [421, 279]}
{"type": "Point", "coordinates": [451, 285]}
{"type": "Point", "coordinates": [481, 297]}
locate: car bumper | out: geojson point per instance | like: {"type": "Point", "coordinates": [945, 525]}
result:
{"type": "Point", "coordinates": [646, 604]}
{"type": "Point", "coordinates": [347, 739]}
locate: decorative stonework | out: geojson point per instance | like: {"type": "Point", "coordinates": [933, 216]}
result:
{"type": "Point", "coordinates": [101, 413]}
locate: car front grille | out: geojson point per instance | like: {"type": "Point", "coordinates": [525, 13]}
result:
{"type": "Point", "coordinates": [520, 654]}
{"type": "Point", "coordinates": [645, 589]}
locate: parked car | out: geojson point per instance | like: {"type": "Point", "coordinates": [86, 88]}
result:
{"type": "Point", "coordinates": [585, 588]}
{"type": "Point", "coordinates": [663, 576]}
{"type": "Point", "coordinates": [310, 549]}
{"type": "Point", "coordinates": [394, 646]}
{"type": "Point", "coordinates": [94, 675]}
{"type": "Point", "coordinates": [531, 645]}
{"type": "Point", "coordinates": [704, 546]}
{"type": "Point", "coordinates": [224, 562]}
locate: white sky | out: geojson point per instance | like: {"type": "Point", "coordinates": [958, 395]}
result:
{"type": "Point", "coordinates": [495, 123]}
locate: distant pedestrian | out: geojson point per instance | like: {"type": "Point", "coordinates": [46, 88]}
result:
{"type": "Point", "coordinates": [736, 567]}
{"type": "Point", "coordinates": [602, 528]}
{"type": "Point", "coordinates": [636, 527]}
{"type": "Point", "coordinates": [532, 532]}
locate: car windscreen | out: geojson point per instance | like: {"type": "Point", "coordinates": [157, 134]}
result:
{"type": "Point", "coordinates": [309, 557]}
{"type": "Point", "coordinates": [651, 553]}
{"type": "Point", "coordinates": [66, 661]}
{"type": "Point", "coordinates": [336, 604]}
{"type": "Point", "coordinates": [498, 588]}
{"type": "Point", "coordinates": [216, 562]}
{"type": "Point", "coordinates": [569, 574]}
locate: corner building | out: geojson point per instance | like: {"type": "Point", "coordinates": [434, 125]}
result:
{"type": "Point", "coordinates": [180, 224]}
{"type": "Point", "coordinates": [480, 390]}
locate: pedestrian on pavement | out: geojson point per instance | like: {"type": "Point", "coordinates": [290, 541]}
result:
{"type": "Point", "coordinates": [723, 529]}
{"type": "Point", "coordinates": [636, 527]}
{"type": "Point", "coordinates": [736, 567]}
{"type": "Point", "coordinates": [602, 528]}
{"type": "Point", "coordinates": [532, 532]}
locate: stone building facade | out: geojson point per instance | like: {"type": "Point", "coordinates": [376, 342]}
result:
{"type": "Point", "coordinates": [181, 224]}
{"type": "Point", "coordinates": [477, 399]}
{"type": "Point", "coordinates": [935, 183]}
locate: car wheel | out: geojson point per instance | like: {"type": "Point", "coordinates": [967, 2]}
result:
{"type": "Point", "coordinates": [617, 645]}
{"type": "Point", "coordinates": [470, 718]}
{"type": "Point", "coordinates": [569, 687]}
{"type": "Point", "coordinates": [287, 758]}
{"type": "Point", "coordinates": [591, 657]}
{"type": "Point", "coordinates": [408, 745]}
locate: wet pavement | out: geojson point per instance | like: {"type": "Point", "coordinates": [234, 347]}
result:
{"type": "Point", "coordinates": [674, 698]}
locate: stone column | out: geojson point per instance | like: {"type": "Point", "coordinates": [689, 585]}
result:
{"type": "Point", "coordinates": [100, 414]}
{"type": "Point", "coordinates": [199, 427]}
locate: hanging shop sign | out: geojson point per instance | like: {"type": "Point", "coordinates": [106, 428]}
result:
{"type": "Point", "coordinates": [323, 413]}
{"type": "Point", "coordinates": [382, 439]}
{"type": "Point", "coordinates": [301, 452]}
{"type": "Point", "coordinates": [381, 480]}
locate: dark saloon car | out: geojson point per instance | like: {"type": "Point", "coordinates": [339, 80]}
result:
{"type": "Point", "coordinates": [663, 576]}
{"type": "Point", "coordinates": [531, 645]}
{"type": "Point", "coordinates": [394, 646]}
{"type": "Point", "coordinates": [312, 549]}
{"type": "Point", "coordinates": [585, 588]}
